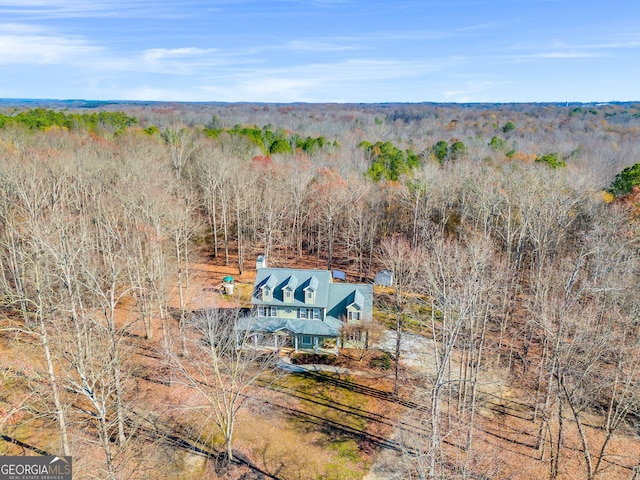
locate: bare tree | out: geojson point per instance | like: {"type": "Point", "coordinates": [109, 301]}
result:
{"type": "Point", "coordinates": [405, 263]}
{"type": "Point", "coordinates": [181, 144]}
{"type": "Point", "coordinates": [457, 281]}
{"type": "Point", "coordinates": [327, 200]}
{"type": "Point", "coordinates": [362, 225]}
{"type": "Point", "coordinates": [221, 369]}
{"type": "Point", "coordinates": [26, 277]}
{"type": "Point", "coordinates": [181, 226]}
{"type": "Point", "coordinates": [85, 355]}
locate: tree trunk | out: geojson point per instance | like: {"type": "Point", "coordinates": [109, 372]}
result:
{"type": "Point", "coordinates": [55, 389]}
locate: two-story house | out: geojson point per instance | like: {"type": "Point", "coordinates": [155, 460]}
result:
{"type": "Point", "coordinates": [305, 308]}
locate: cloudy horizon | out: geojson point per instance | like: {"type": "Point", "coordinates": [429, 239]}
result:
{"type": "Point", "coordinates": [321, 50]}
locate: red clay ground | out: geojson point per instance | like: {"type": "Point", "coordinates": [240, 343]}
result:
{"type": "Point", "coordinates": [342, 422]}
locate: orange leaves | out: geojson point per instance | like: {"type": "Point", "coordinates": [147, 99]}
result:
{"type": "Point", "coordinates": [328, 180]}
{"type": "Point", "coordinates": [262, 161]}
{"type": "Point", "coordinates": [524, 157]}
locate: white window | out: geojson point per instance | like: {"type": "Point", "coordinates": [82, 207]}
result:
{"type": "Point", "coordinates": [354, 336]}
{"type": "Point", "coordinates": [266, 293]}
{"type": "Point", "coordinates": [309, 295]}
{"type": "Point", "coordinates": [287, 295]}
{"type": "Point", "coordinates": [262, 312]}
{"type": "Point", "coordinates": [273, 311]}
{"type": "Point", "coordinates": [306, 340]}
{"type": "Point", "coordinates": [354, 316]}
{"type": "Point", "coordinates": [309, 313]}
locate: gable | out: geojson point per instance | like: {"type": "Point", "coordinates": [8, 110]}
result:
{"type": "Point", "coordinates": [351, 296]}
{"type": "Point", "coordinates": [298, 281]}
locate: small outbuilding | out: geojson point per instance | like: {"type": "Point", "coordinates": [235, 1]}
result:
{"type": "Point", "coordinates": [228, 285]}
{"type": "Point", "coordinates": [384, 278]}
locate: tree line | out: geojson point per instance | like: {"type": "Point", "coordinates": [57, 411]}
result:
{"type": "Point", "coordinates": [500, 259]}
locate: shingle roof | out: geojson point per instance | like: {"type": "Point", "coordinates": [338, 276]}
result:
{"type": "Point", "coordinates": [333, 297]}
{"type": "Point", "coordinates": [291, 282]}
{"type": "Point", "coordinates": [329, 328]}
{"type": "Point", "coordinates": [271, 281]}
{"type": "Point", "coordinates": [318, 279]}
{"type": "Point", "coordinates": [344, 294]}
{"type": "Point", "coordinates": [312, 282]}
{"type": "Point", "coordinates": [357, 299]}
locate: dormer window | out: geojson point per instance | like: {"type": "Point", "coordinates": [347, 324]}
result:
{"type": "Point", "coordinates": [267, 288]}
{"type": "Point", "coordinates": [354, 306]}
{"type": "Point", "coordinates": [287, 295]}
{"type": "Point", "coordinates": [309, 295]}
{"type": "Point", "coordinates": [289, 288]}
{"type": "Point", "coordinates": [310, 290]}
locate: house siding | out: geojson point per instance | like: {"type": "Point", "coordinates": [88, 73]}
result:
{"type": "Point", "coordinates": [331, 302]}
{"type": "Point", "coordinates": [287, 312]}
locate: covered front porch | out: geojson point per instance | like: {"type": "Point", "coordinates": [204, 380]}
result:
{"type": "Point", "coordinates": [299, 335]}
{"type": "Point", "coordinates": [290, 342]}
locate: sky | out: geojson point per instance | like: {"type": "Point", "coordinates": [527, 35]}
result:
{"type": "Point", "coordinates": [347, 51]}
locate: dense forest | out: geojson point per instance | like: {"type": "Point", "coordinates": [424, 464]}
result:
{"type": "Point", "coordinates": [512, 231]}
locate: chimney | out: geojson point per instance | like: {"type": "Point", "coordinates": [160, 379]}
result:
{"type": "Point", "coordinates": [261, 262]}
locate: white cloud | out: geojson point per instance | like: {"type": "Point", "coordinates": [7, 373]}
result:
{"type": "Point", "coordinates": [148, 93]}
{"type": "Point", "coordinates": [316, 46]}
{"type": "Point", "coordinates": [85, 8]}
{"type": "Point", "coordinates": [156, 54]}
{"type": "Point", "coordinates": [340, 81]}
{"type": "Point", "coordinates": [36, 45]}
{"type": "Point", "coordinates": [362, 70]}
{"type": "Point", "coordinates": [473, 91]}
{"type": "Point", "coordinates": [23, 44]}
{"type": "Point", "coordinates": [311, 83]}
{"type": "Point", "coordinates": [260, 89]}
{"type": "Point", "coordinates": [563, 50]}
{"type": "Point", "coordinates": [183, 61]}
{"type": "Point", "coordinates": [21, 29]}
{"type": "Point", "coordinates": [559, 54]}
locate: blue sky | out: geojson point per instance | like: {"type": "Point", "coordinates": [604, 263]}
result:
{"type": "Point", "coordinates": [321, 50]}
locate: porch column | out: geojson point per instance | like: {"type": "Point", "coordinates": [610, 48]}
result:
{"type": "Point", "coordinates": [295, 343]}
{"type": "Point", "coordinates": [315, 344]}
{"type": "Point", "coordinates": [275, 343]}
{"type": "Point", "coordinates": [255, 342]}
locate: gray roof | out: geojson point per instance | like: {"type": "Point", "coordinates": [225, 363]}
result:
{"type": "Point", "coordinates": [329, 328]}
{"type": "Point", "coordinates": [291, 282]}
{"type": "Point", "coordinates": [344, 294]}
{"type": "Point", "coordinates": [385, 278]}
{"type": "Point", "coordinates": [312, 282]}
{"type": "Point", "coordinates": [333, 297]}
{"type": "Point", "coordinates": [271, 281]}
{"type": "Point", "coordinates": [356, 299]}
{"type": "Point", "coordinates": [317, 279]}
